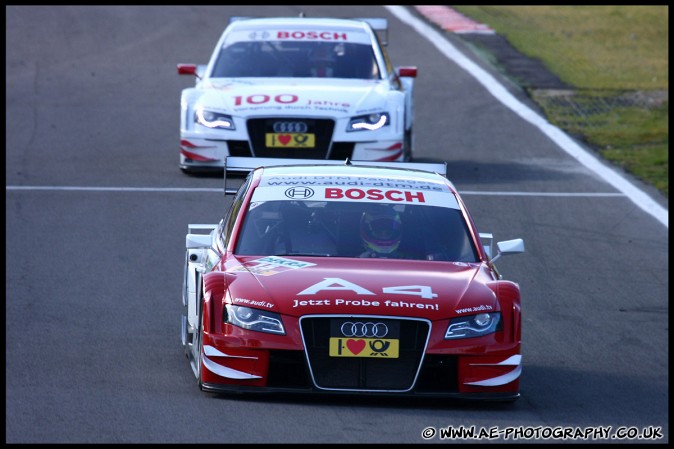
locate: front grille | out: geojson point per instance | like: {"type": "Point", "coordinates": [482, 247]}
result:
{"type": "Point", "coordinates": [364, 373]}
{"type": "Point", "coordinates": [321, 128]}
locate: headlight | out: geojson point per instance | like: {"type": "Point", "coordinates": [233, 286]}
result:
{"type": "Point", "coordinates": [254, 319]}
{"type": "Point", "coordinates": [368, 122]}
{"type": "Point", "coordinates": [473, 325]}
{"type": "Point", "coordinates": [212, 119]}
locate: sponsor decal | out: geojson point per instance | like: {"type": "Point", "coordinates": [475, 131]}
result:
{"type": "Point", "coordinates": [301, 193]}
{"type": "Point", "coordinates": [337, 284]}
{"type": "Point", "coordinates": [374, 195]}
{"type": "Point", "coordinates": [271, 265]}
{"type": "Point", "coordinates": [252, 303]}
{"type": "Point", "coordinates": [355, 181]}
{"type": "Point", "coordinates": [364, 347]}
{"type": "Point", "coordinates": [364, 303]}
{"type": "Point", "coordinates": [357, 194]}
{"type": "Point", "coordinates": [285, 34]}
{"type": "Point", "coordinates": [261, 101]}
{"type": "Point", "coordinates": [312, 35]}
{"type": "Point", "coordinates": [328, 104]}
{"type": "Point", "coordinates": [480, 308]}
{"type": "Point", "coordinates": [364, 338]}
{"type": "Point", "coordinates": [294, 140]}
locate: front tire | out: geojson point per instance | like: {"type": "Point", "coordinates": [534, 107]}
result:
{"type": "Point", "coordinates": [199, 349]}
{"type": "Point", "coordinates": [184, 337]}
{"type": "Point", "coordinates": [192, 336]}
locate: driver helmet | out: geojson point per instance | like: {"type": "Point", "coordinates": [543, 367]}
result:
{"type": "Point", "coordinates": [381, 230]}
{"type": "Point", "coordinates": [322, 60]}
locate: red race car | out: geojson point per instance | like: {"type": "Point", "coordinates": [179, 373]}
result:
{"type": "Point", "coordinates": [349, 277]}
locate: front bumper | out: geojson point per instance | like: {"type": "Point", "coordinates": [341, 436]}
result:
{"type": "Point", "coordinates": [487, 374]}
{"type": "Point", "coordinates": [205, 153]}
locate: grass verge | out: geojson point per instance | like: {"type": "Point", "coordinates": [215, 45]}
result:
{"type": "Point", "coordinates": [617, 59]}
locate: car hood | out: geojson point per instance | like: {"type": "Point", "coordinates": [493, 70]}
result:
{"type": "Point", "coordinates": [294, 96]}
{"type": "Point", "coordinates": [305, 286]}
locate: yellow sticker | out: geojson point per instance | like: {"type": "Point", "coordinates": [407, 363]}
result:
{"type": "Point", "coordinates": [364, 347]}
{"type": "Point", "coordinates": [290, 140]}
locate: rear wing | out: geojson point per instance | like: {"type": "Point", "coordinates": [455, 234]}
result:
{"type": "Point", "coordinates": [243, 165]}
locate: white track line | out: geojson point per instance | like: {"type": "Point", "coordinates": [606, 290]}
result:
{"type": "Point", "coordinates": [220, 190]}
{"type": "Point", "coordinates": [639, 197]}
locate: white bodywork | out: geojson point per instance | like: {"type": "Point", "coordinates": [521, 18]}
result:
{"type": "Point", "coordinates": [252, 105]}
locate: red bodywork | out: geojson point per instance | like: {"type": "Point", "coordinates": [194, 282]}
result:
{"type": "Point", "coordinates": [486, 367]}
{"type": "Point", "coordinates": [458, 287]}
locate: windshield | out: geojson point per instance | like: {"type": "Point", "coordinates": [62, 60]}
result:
{"type": "Point", "coordinates": [349, 229]}
{"type": "Point", "coordinates": [296, 59]}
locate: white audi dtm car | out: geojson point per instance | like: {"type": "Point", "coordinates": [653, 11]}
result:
{"type": "Point", "coordinates": [301, 88]}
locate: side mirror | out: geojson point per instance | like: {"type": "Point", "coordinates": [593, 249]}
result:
{"type": "Point", "coordinates": [192, 69]}
{"type": "Point", "coordinates": [199, 236]}
{"type": "Point", "coordinates": [410, 72]}
{"type": "Point", "coordinates": [187, 69]}
{"type": "Point", "coordinates": [508, 247]}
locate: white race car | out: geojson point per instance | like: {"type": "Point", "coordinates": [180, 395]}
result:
{"type": "Point", "coordinates": [307, 88]}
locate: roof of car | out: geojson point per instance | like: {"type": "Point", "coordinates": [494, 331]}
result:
{"type": "Point", "coordinates": [355, 176]}
{"type": "Point", "coordinates": [308, 21]}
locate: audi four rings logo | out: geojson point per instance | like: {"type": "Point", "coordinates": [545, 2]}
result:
{"type": "Point", "coordinates": [367, 330]}
{"type": "Point", "coordinates": [299, 192]}
{"type": "Point", "coordinates": [290, 127]}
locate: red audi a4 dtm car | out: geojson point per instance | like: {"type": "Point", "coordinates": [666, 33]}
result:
{"type": "Point", "coordinates": [349, 277]}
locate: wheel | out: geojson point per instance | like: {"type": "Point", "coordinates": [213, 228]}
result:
{"type": "Point", "coordinates": [194, 347]}
{"type": "Point", "coordinates": [183, 318]}
{"type": "Point", "coordinates": [198, 347]}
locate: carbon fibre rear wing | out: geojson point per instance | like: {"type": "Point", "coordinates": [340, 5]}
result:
{"type": "Point", "coordinates": [243, 165]}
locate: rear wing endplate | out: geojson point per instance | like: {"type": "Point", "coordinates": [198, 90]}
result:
{"type": "Point", "coordinates": [379, 25]}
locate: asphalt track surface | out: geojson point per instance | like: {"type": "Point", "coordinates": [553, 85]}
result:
{"type": "Point", "coordinates": [97, 211]}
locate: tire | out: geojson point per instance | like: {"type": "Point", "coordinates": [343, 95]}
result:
{"type": "Point", "coordinates": [183, 318]}
{"type": "Point", "coordinates": [193, 341]}
{"type": "Point", "coordinates": [198, 347]}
